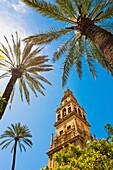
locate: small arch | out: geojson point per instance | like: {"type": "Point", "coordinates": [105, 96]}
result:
{"type": "Point", "coordinates": [61, 132]}
{"type": "Point", "coordinates": [69, 127]}
{"type": "Point", "coordinates": [69, 109]}
{"type": "Point", "coordinates": [64, 112]}
{"type": "Point", "coordinates": [84, 117]}
{"type": "Point", "coordinates": [75, 109]}
{"type": "Point", "coordinates": [79, 112]}
{"type": "Point", "coordinates": [58, 117]}
{"type": "Point", "coordinates": [65, 101]}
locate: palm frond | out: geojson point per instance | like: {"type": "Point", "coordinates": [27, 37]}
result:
{"type": "Point", "coordinates": [10, 131]}
{"type": "Point", "coordinates": [69, 61]}
{"type": "Point", "coordinates": [77, 4]}
{"type": "Point", "coordinates": [90, 60]}
{"type": "Point", "coordinates": [105, 15]}
{"type": "Point", "coordinates": [32, 87]}
{"type": "Point", "coordinates": [48, 37]}
{"type": "Point", "coordinates": [66, 69]}
{"type": "Point", "coordinates": [17, 48]}
{"type": "Point", "coordinates": [38, 69]}
{"type": "Point", "coordinates": [7, 144]}
{"type": "Point", "coordinates": [7, 54]}
{"type": "Point", "coordinates": [85, 5]}
{"type": "Point", "coordinates": [38, 60]}
{"type": "Point", "coordinates": [48, 9]}
{"type": "Point", "coordinates": [6, 64]}
{"type": "Point", "coordinates": [13, 127]}
{"type": "Point", "coordinates": [77, 56]}
{"type": "Point", "coordinates": [15, 131]}
{"type": "Point", "coordinates": [27, 142]}
{"type": "Point", "coordinates": [6, 74]}
{"type": "Point", "coordinates": [2, 64]}
{"type": "Point", "coordinates": [99, 57]}
{"type": "Point", "coordinates": [80, 43]}
{"type": "Point", "coordinates": [98, 7]}
{"type": "Point", "coordinates": [21, 146]}
{"type": "Point", "coordinates": [61, 50]}
{"type": "Point", "coordinates": [20, 88]}
{"type": "Point", "coordinates": [25, 90]}
{"type": "Point", "coordinates": [26, 51]}
{"type": "Point", "coordinates": [67, 7]}
{"type": "Point", "coordinates": [39, 77]}
{"type": "Point", "coordinates": [78, 64]}
{"type": "Point", "coordinates": [11, 97]}
{"type": "Point", "coordinates": [4, 141]}
{"type": "Point", "coordinates": [29, 55]}
{"type": "Point", "coordinates": [10, 50]}
{"type": "Point", "coordinates": [36, 84]}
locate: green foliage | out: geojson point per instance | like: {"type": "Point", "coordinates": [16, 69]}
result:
{"type": "Point", "coordinates": [97, 155]}
{"type": "Point", "coordinates": [109, 129]}
{"type": "Point", "coordinates": [74, 13]}
{"type": "Point", "coordinates": [46, 168]}
{"type": "Point", "coordinates": [2, 101]}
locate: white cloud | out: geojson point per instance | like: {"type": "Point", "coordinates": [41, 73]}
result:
{"type": "Point", "coordinates": [17, 6]}
{"type": "Point", "coordinates": [12, 18]}
{"type": "Point", "coordinates": [20, 7]}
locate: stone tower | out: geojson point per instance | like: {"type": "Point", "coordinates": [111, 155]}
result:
{"type": "Point", "coordinates": [71, 126]}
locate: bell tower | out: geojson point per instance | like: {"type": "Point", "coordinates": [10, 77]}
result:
{"type": "Point", "coordinates": [71, 126]}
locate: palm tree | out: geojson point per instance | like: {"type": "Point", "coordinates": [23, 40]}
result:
{"type": "Point", "coordinates": [18, 135]}
{"type": "Point", "coordinates": [86, 29]}
{"type": "Point", "coordinates": [24, 66]}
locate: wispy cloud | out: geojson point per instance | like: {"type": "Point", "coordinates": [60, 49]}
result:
{"type": "Point", "coordinates": [17, 6]}
{"type": "Point", "coordinates": [20, 7]}
{"type": "Point", "coordinates": [12, 18]}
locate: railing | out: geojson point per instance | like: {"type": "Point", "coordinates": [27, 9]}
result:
{"type": "Point", "coordinates": [66, 136]}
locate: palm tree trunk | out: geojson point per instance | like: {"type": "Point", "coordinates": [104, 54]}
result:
{"type": "Point", "coordinates": [14, 155]}
{"type": "Point", "coordinates": [102, 38]}
{"type": "Point", "coordinates": [7, 93]}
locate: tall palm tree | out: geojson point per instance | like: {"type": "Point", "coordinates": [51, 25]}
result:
{"type": "Point", "coordinates": [24, 66]}
{"type": "Point", "coordinates": [86, 28]}
{"type": "Point", "coordinates": [18, 135]}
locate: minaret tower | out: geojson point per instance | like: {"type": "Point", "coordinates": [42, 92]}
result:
{"type": "Point", "coordinates": [71, 126]}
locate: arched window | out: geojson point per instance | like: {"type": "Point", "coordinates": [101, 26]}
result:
{"type": "Point", "coordinates": [65, 101]}
{"type": "Point", "coordinates": [69, 109]}
{"type": "Point", "coordinates": [84, 117]}
{"type": "Point", "coordinates": [69, 127]}
{"type": "Point", "coordinates": [79, 112]}
{"type": "Point", "coordinates": [58, 117]}
{"type": "Point", "coordinates": [64, 112]}
{"type": "Point", "coordinates": [61, 132]}
{"type": "Point", "coordinates": [75, 109]}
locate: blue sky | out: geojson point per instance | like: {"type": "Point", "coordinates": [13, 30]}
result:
{"type": "Point", "coordinates": [96, 96]}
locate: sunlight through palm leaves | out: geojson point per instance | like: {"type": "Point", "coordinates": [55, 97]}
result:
{"type": "Point", "coordinates": [86, 28]}
{"type": "Point", "coordinates": [25, 66]}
